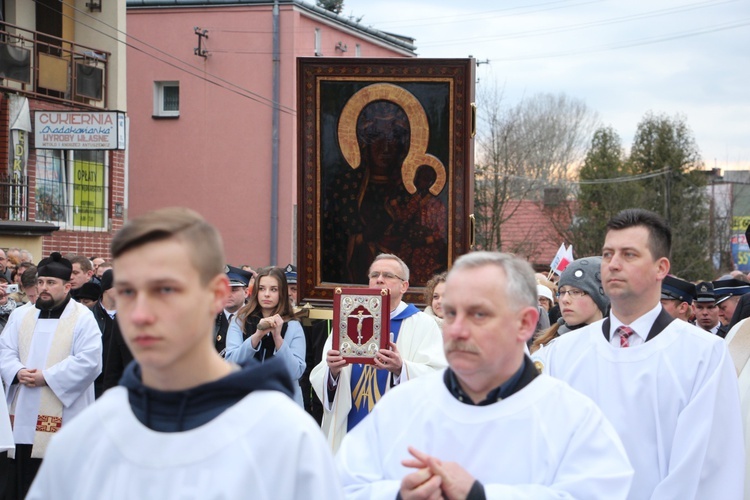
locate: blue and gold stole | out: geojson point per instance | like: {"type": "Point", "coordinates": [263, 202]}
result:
{"type": "Point", "coordinates": [369, 383]}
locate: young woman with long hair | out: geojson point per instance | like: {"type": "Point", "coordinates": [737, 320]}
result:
{"type": "Point", "coordinates": [265, 327]}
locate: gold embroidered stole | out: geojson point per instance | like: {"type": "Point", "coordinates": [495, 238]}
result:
{"type": "Point", "coordinates": [49, 419]}
{"type": "Point", "coordinates": [366, 390]}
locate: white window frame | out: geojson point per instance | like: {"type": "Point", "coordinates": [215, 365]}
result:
{"type": "Point", "coordinates": [159, 99]}
{"type": "Point", "coordinates": [318, 42]}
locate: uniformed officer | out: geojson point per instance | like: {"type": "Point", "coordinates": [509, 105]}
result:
{"type": "Point", "coordinates": [704, 307]}
{"type": "Point", "coordinates": [728, 291]}
{"type": "Point", "coordinates": [677, 297]}
{"type": "Point", "coordinates": [290, 272]}
{"type": "Point", "coordinates": [238, 281]}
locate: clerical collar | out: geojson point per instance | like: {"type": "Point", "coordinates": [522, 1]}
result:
{"type": "Point", "coordinates": [401, 306]}
{"type": "Point", "coordinates": [55, 312]}
{"type": "Point", "coordinates": [525, 374]}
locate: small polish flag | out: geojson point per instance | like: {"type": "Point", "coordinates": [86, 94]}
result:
{"type": "Point", "coordinates": [565, 260]}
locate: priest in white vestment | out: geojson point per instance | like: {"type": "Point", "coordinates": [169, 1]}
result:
{"type": "Point", "coordinates": [6, 435]}
{"type": "Point", "coordinates": [490, 426]}
{"type": "Point", "coordinates": [349, 392]}
{"type": "Point", "coordinates": [738, 343]}
{"type": "Point", "coordinates": [668, 387]}
{"type": "Point", "coordinates": [50, 355]}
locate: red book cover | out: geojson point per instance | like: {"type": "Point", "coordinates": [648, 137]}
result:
{"type": "Point", "coordinates": [361, 323]}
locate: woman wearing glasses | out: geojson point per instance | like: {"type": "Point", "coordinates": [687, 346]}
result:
{"type": "Point", "coordinates": [581, 298]}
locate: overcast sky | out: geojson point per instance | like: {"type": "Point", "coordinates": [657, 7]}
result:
{"type": "Point", "coordinates": [622, 57]}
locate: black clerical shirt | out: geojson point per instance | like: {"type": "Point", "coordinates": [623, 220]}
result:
{"type": "Point", "coordinates": [525, 374]}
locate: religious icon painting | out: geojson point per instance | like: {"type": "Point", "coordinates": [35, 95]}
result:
{"type": "Point", "coordinates": [361, 323]}
{"type": "Point", "coordinates": [385, 166]}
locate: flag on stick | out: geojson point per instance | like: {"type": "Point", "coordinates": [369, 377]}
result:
{"type": "Point", "coordinates": [558, 257]}
{"type": "Point", "coordinates": [565, 260]}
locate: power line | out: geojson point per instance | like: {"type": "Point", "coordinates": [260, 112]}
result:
{"type": "Point", "coordinates": [452, 19]}
{"type": "Point", "coordinates": [239, 90]}
{"type": "Point", "coordinates": [627, 178]}
{"type": "Point", "coordinates": [580, 26]}
{"type": "Point", "coordinates": [611, 180]}
{"type": "Point", "coordinates": [632, 43]}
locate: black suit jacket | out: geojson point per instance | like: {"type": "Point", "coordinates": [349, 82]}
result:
{"type": "Point", "coordinates": [220, 332]}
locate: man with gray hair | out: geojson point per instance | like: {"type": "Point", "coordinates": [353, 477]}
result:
{"type": "Point", "coordinates": [350, 391]}
{"type": "Point", "coordinates": [489, 426]}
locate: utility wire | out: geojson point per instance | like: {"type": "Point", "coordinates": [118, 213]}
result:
{"type": "Point", "coordinates": [611, 180]}
{"type": "Point", "coordinates": [452, 19]}
{"type": "Point", "coordinates": [580, 26]}
{"type": "Point", "coordinates": [632, 43]}
{"type": "Point", "coordinates": [239, 90]}
{"type": "Point", "coordinates": [627, 178]}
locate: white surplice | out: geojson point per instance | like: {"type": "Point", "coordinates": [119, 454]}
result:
{"type": "Point", "coordinates": [264, 447]}
{"type": "Point", "coordinates": [71, 380]}
{"type": "Point", "coordinates": [744, 382]}
{"type": "Point", "coordinates": [546, 441]}
{"type": "Point", "coordinates": [673, 400]}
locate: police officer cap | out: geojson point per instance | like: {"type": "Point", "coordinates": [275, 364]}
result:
{"type": "Point", "coordinates": [704, 292]}
{"type": "Point", "coordinates": [674, 288]}
{"type": "Point", "coordinates": [55, 266]}
{"type": "Point", "coordinates": [290, 272]}
{"type": "Point", "coordinates": [237, 276]}
{"type": "Point", "coordinates": [725, 288]}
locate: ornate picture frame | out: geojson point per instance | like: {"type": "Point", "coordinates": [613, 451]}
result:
{"type": "Point", "coordinates": [385, 150]}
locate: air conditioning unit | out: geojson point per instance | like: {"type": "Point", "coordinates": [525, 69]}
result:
{"type": "Point", "coordinates": [89, 81]}
{"type": "Point", "coordinates": [15, 63]}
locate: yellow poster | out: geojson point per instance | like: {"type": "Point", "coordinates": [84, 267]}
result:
{"type": "Point", "coordinates": [88, 194]}
{"type": "Point", "coordinates": [739, 224]}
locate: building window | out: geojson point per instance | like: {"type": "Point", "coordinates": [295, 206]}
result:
{"type": "Point", "coordinates": [318, 43]}
{"type": "Point", "coordinates": [358, 50]}
{"type": "Point", "coordinates": [167, 99]}
{"type": "Point", "coordinates": [51, 186]}
{"type": "Point", "coordinates": [72, 188]}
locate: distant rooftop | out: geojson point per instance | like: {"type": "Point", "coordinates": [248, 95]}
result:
{"type": "Point", "coordinates": [402, 42]}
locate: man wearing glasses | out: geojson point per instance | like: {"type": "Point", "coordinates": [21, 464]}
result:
{"type": "Point", "coordinates": [349, 392]}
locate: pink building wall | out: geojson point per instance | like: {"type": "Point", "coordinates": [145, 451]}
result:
{"type": "Point", "coordinates": [216, 157]}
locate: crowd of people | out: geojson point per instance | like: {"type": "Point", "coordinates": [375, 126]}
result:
{"type": "Point", "coordinates": [167, 373]}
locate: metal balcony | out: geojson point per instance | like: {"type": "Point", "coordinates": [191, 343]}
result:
{"type": "Point", "coordinates": [51, 68]}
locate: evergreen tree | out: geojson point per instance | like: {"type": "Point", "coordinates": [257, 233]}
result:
{"type": "Point", "coordinates": [665, 147]}
{"type": "Point", "coordinates": [598, 198]}
{"type": "Point", "coordinates": [335, 6]}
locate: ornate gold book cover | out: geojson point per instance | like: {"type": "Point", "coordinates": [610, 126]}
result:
{"type": "Point", "coordinates": [361, 323]}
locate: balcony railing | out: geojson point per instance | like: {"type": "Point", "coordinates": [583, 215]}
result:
{"type": "Point", "coordinates": [14, 197]}
{"type": "Point", "coordinates": [53, 68]}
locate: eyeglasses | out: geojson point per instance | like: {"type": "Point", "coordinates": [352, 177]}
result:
{"type": "Point", "coordinates": [573, 292]}
{"type": "Point", "coordinates": [385, 274]}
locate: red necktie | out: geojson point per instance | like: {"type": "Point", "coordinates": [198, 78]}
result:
{"type": "Point", "coordinates": [625, 332]}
